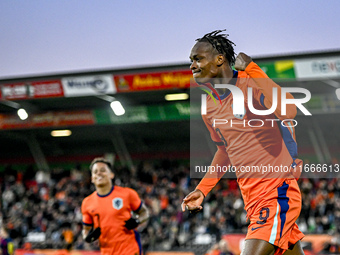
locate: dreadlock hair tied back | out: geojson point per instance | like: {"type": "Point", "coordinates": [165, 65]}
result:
{"type": "Point", "coordinates": [221, 43]}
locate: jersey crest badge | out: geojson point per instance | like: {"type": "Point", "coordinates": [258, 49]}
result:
{"type": "Point", "coordinates": [117, 203]}
{"type": "Point", "coordinates": [239, 116]}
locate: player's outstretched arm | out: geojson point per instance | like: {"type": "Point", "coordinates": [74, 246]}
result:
{"type": "Point", "coordinates": [192, 202]}
{"type": "Point", "coordinates": [245, 63]}
{"type": "Point", "coordinates": [211, 178]}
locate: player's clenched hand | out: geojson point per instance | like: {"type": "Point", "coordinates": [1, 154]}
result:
{"type": "Point", "coordinates": [242, 61]}
{"type": "Point", "coordinates": [131, 223]}
{"type": "Point", "coordinates": [192, 202]}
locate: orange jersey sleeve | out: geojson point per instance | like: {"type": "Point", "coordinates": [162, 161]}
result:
{"type": "Point", "coordinates": [87, 218]}
{"type": "Point", "coordinates": [135, 201]}
{"type": "Point", "coordinates": [210, 179]}
{"type": "Point", "coordinates": [221, 158]}
{"type": "Point", "coordinates": [266, 85]}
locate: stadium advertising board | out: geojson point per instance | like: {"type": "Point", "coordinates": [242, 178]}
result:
{"type": "Point", "coordinates": [282, 69]}
{"type": "Point", "coordinates": [55, 252]}
{"type": "Point", "coordinates": [49, 119]}
{"type": "Point", "coordinates": [88, 85]}
{"type": "Point", "coordinates": [318, 68]}
{"type": "Point", "coordinates": [170, 253]}
{"type": "Point", "coordinates": [28, 90]}
{"type": "Point", "coordinates": [144, 114]}
{"type": "Point", "coordinates": [153, 81]}
{"type": "Point", "coordinates": [137, 114]}
{"type": "Point", "coordinates": [85, 252]}
{"type": "Point", "coordinates": [314, 244]}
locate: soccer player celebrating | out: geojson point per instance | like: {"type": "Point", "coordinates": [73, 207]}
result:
{"type": "Point", "coordinates": [272, 201]}
{"type": "Point", "coordinates": [107, 213]}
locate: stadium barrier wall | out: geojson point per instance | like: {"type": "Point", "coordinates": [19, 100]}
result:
{"type": "Point", "coordinates": [235, 242]}
{"type": "Point", "coordinates": [81, 252]}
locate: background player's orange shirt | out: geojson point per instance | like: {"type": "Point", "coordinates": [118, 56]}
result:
{"type": "Point", "coordinates": [113, 210]}
{"type": "Point", "coordinates": [269, 145]}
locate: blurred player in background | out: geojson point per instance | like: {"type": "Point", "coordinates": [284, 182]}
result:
{"type": "Point", "coordinates": [273, 203]}
{"type": "Point", "coordinates": [6, 243]}
{"type": "Point", "coordinates": [107, 213]}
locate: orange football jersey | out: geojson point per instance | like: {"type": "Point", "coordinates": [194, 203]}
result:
{"type": "Point", "coordinates": [261, 148]}
{"type": "Point", "coordinates": [110, 212]}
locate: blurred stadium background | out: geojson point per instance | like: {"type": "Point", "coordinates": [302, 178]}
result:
{"type": "Point", "coordinates": [44, 178]}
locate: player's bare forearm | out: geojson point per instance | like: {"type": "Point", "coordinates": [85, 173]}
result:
{"type": "Point", "coordinates": [143, 214]}
{"type": "Point", "coordinates": [85, 231]}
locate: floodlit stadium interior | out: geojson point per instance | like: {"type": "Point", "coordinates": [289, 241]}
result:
{"type": "Point", "coordinates": [44, 178]}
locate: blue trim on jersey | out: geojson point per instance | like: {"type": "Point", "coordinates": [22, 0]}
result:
{"type": "Point", "coordinates": [289, 141]}
{"type": "Point", "coordinates": [262, 100]}
{"type": "Point", "coordinates": [233, 82]}
{"type": "Point", "coordinates": [283, 202]}
{"type": "Point", "coordinates": [224, 95]}
{"type": "Point", "coordinates": [273, 231]}
{"type": "Point", "coordinates": [137, 236]}
{"type": "Point", "coordinates": [87, 224]}
{"type": "Point", "coordinates": [235, 75]}
{"type": "Point", "coordinates": [107, 193]}
{"type": "Point", "coordinates": [140, 206]}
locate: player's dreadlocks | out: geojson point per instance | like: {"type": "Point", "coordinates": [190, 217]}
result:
{"type": "Point", "coordinates": [221, 43]}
